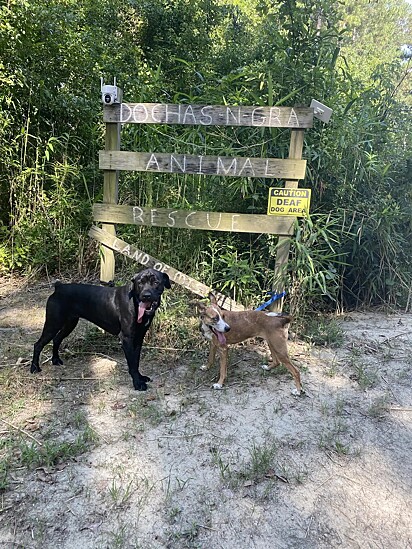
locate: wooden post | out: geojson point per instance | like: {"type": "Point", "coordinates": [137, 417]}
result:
{"type": "Point", "coordinates": [282, 255]}
{"type": "Point", "coordinates": [110, 196]}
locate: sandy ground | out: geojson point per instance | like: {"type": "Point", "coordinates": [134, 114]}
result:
{"type": "Point", "coordinates": [182, 465]}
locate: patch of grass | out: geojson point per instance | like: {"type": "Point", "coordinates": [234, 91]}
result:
{"type": "Point", "coordinates": [5, 464]}
{"type": "Point", "coordinates": [335, 409]}
{"type": "Point", "coordinates": [379, 407]}
{"type": "Point", "coordinates": [333, 368]}
{"type": "Point", "coordinates": [18, 451]}
{"type": "Point", "coordinates": [79, 419]}
{"type": "Point", "coordinates": [146, 411]}
{"type": "Point", "coordinates": [331, 439]}
{"type": "Point", "coordinates": [322, 331]}
{"type": "Point", "coordinates": [119, 538]}
{"type": "Point", "coordinates": [52, 452]}
{"type": "Point", "coordinates": [218, 461]}
{"type": "Point", "coordinates": [365, 377]}
{"type": "Point", "coordinates": [259, 467]}
{"type": "Point", "coordinates": [121, 494]}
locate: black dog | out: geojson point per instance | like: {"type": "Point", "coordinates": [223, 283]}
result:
{"type": "Point", "coordinates": [126, 311]}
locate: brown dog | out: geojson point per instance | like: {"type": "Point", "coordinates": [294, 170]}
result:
{"type": "Point", "coordinates": [223, 327]}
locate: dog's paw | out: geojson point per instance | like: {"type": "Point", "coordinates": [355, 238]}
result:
{"type": "Point", "coordinates": [140, 386]}
{"type": "Point", "coordinates": [34, 369]}
{"type": "Point", "coordinates": [297, 393]}
{"type": "Point", "coordinates": [217, 386]}
{"type": "Point", "coordinates": [57, 361]}
{"type": "Point", "coordinates": [204, 367]}
{"type": "Point", "coordinates": [146, 379]}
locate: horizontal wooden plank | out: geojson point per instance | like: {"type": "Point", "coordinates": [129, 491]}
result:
{"type": "Point", "coordinates": [118, 245]}
{"type": "Point", "coordinates": [209, 221]}
{"type": "Point", "coordinates": [203, 165]}
{"type": "Point", "coordinates": [209, 115]}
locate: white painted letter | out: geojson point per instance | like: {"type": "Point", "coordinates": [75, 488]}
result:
{"type": "Point", "coordinates": [259, 116]}
{"type": "Point", "coordinates": [153, 160]}
{"type": "Point", "coordinates": [137, 255]}
{"type": "Point", "coordinates": [189, 112]}
{"type": "Point", "coordinates": [182, 168]}
{"type": "Point", "coordinates": [187, 222]}
{"type": "Point", "coordinates": [234, 221]}
{"type": "Point", "coordinates": [140, 113]}
{"type": "Point", "coordinates": [274, 116]}
{"type": "Point", "coordinates": [171, 114]}
{"type": "Point", "coordinates": [137, 215]}
{"type": "Point", "coordinates": [207, 116]}
{"type": "Point", "coordinates": [267, 174]}
{"type": "Point", "coordinates": [153, 113]}
{"type": "Point", "coordinates": [172, 219]}
{"type": "Point", "coordinates": [125, 116]}
{"type": "Point", "coordinates": [247, 165]}
{"type": "Point", "coordinates": [220, 165]}
{"type": "Point", "coordinates": [293, 118]}
{"type": "Point", "coordinates": [115, 246]}
{"type": "Point", "coordinates": [208, 214]}
{"type": "Point", "coordinates": [153, 215]}
{"type": "Point", "coordinates": [200, 165]}
{"type": "Point", "coordinates": [229, 113]}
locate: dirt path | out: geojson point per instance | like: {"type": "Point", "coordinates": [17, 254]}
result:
{"type": "Point", "coordinates": [86, 462]}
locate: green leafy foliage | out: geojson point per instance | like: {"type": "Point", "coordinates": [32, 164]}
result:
{"type": "Point", "coordinates": [352, 56]}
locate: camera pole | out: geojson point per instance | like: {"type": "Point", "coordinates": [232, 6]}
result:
{"type": "Point", "coordinates": [110, 178]}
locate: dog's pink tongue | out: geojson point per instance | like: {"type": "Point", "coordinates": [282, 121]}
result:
{"type": "Point", "coordinates": [221, 337]}
{"type": "Point", "coordinates": [141, 311]}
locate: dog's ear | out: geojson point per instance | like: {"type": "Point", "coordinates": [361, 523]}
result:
{"type": "Point", "coordinates": [199, 306]}
{"type": "Point", "coordinates": [166, 281]}
{"type": "Point", "coordinates": [132, 285]}
{"type": "Point", "coordinates": [212, 298]}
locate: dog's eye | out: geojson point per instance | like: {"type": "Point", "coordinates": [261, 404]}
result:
{"type": "Point", "coordinates": [215, 319]}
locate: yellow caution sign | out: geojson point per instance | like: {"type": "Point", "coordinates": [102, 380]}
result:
{"type": "Point", "coordinates": [295, 202]}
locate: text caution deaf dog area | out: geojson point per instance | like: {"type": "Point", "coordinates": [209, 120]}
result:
{"type": "Point", "coordinates": [294, 202]}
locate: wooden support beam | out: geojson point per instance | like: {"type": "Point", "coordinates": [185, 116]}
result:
{"type": "Point", "coordinates": [209, 115]}
{"type": "Point", "coordinates": [282, 254]}
{"type": "Point", "coordinates": [110, 196]}
{"type": "Point", "coordinates": [184, 219]}
{"type": "Point", "coordinates": [224, 166]}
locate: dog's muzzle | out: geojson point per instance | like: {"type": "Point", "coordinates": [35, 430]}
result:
{"type": "Point", "coordinates": [221, 335]}
{"type": "Point", "coordinates": [146, 308]}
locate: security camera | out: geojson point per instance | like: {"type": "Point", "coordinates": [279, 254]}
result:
{"type": "Point", "coordinates": [110, 94]}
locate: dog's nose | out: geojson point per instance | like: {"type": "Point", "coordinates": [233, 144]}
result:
{"type": "Point", "coordinates": [227, 328]}
{"type": "Point", "coordinates": [145, 296]}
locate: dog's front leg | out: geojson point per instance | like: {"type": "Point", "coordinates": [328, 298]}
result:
{"type": "Point", "coordinates": [132, 350]}
{"type": "Point", "coordinates": [223, 355]}
{"type": "Point", "coordinates": [210, 358]}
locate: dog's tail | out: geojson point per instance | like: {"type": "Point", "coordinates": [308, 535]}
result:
{"type": "Point", "coordinates": [285, 318]}
{"type": "Point", "coordinates": [57, 283]}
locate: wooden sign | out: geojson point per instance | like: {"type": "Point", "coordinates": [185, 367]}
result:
{"type": "Point", "coordinates": [183, 219]}
{"type": "Point", "coordinates": [202, 165]}
{"type": "Point", "coordinates": [289, 202]}
{"type": "Point", "coordinates": [209, 115]}
{"type": "Point", "coordinates": [118, 245]}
